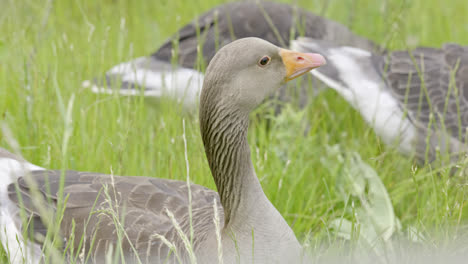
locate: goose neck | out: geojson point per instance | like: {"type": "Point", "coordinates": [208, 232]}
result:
{"type": "Point", "coordinates": [224, 133]}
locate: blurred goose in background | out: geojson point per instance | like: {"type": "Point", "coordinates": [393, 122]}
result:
{"type": "Point", "coordinates": [417, 99]}
{"type": "Point", "coordinates": [277, 23]}
{"type": "Point", "coordinates": [239, 77]}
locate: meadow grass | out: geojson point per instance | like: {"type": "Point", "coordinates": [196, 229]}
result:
{"type": "Point", "coordinates": [47, 48]}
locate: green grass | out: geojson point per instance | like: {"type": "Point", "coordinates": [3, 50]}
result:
{"type": "Point", "coordinates": [47, 48]}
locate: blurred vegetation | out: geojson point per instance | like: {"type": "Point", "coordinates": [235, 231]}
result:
{"type": "Point", "coordinates": [47, 48]}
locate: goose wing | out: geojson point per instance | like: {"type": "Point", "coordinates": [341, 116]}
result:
{"type": "Point", "coordinates": [101, 208]}
{"type": "Point", "coordinates": [431, 81]}
{"type": "Point", "coordinates": [398, 92]}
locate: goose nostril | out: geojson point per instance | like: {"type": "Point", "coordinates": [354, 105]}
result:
{"type": "Point", "coordinates": [300, 58]}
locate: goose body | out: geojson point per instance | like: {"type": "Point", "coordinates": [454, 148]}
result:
{"type": "Point", "coordinates": [162, 74]}
{"type": "Point", "coordinates": [417, 99]}
{"type": "Point", "coordinates": [150, 210]}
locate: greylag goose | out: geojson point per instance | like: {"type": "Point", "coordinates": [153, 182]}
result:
{"type": "Point", "coordinates": [275, 22]}
{"type": "Point", "coordinates": [239, 77]}
{"type": "Point", "coordinates": [416, 99]}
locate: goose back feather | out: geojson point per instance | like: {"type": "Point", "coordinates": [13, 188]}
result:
{"type": "Point", "coordinates": [418, 98]}
{"type": "Point", "coordinates": [93, 200]}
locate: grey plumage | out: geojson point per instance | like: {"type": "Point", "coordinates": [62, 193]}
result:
{"type": "Point", "coordinates": [432, 81]}
{"type": "Point", "coordinates": [139, 202]}
{"type": "Point", "coordinates": [428, 85]}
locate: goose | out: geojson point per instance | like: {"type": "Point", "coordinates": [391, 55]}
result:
{"type": "Point", "coordinates": [156, 76]}
{"type": "Point", "coordinates": [415, 99]}
{"type": "Point", "coordinates": [239, 77]}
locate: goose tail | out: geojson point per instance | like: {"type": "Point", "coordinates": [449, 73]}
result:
{"type": "Point", "coordinates": [150, 77]}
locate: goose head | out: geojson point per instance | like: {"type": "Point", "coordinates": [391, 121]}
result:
{"type": "Point", "coordinates": [245, 72]}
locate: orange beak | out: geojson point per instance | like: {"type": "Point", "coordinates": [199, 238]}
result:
{"type": "Point", "coordinates": [298, 63]}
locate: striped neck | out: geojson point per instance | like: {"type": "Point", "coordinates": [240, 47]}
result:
{"type": "Point", "coordinates": [224, 133]}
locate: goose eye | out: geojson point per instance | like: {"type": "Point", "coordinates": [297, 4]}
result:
{"type": "Point", "coordinates": [264, 61]}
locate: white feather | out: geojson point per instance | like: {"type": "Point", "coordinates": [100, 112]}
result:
{"type": "Point", "coordinates": [182, 84]}
{"type": "Point", "coordinates": [365, 91]}
{"type": "Point", "coordinates": [11, 237]}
